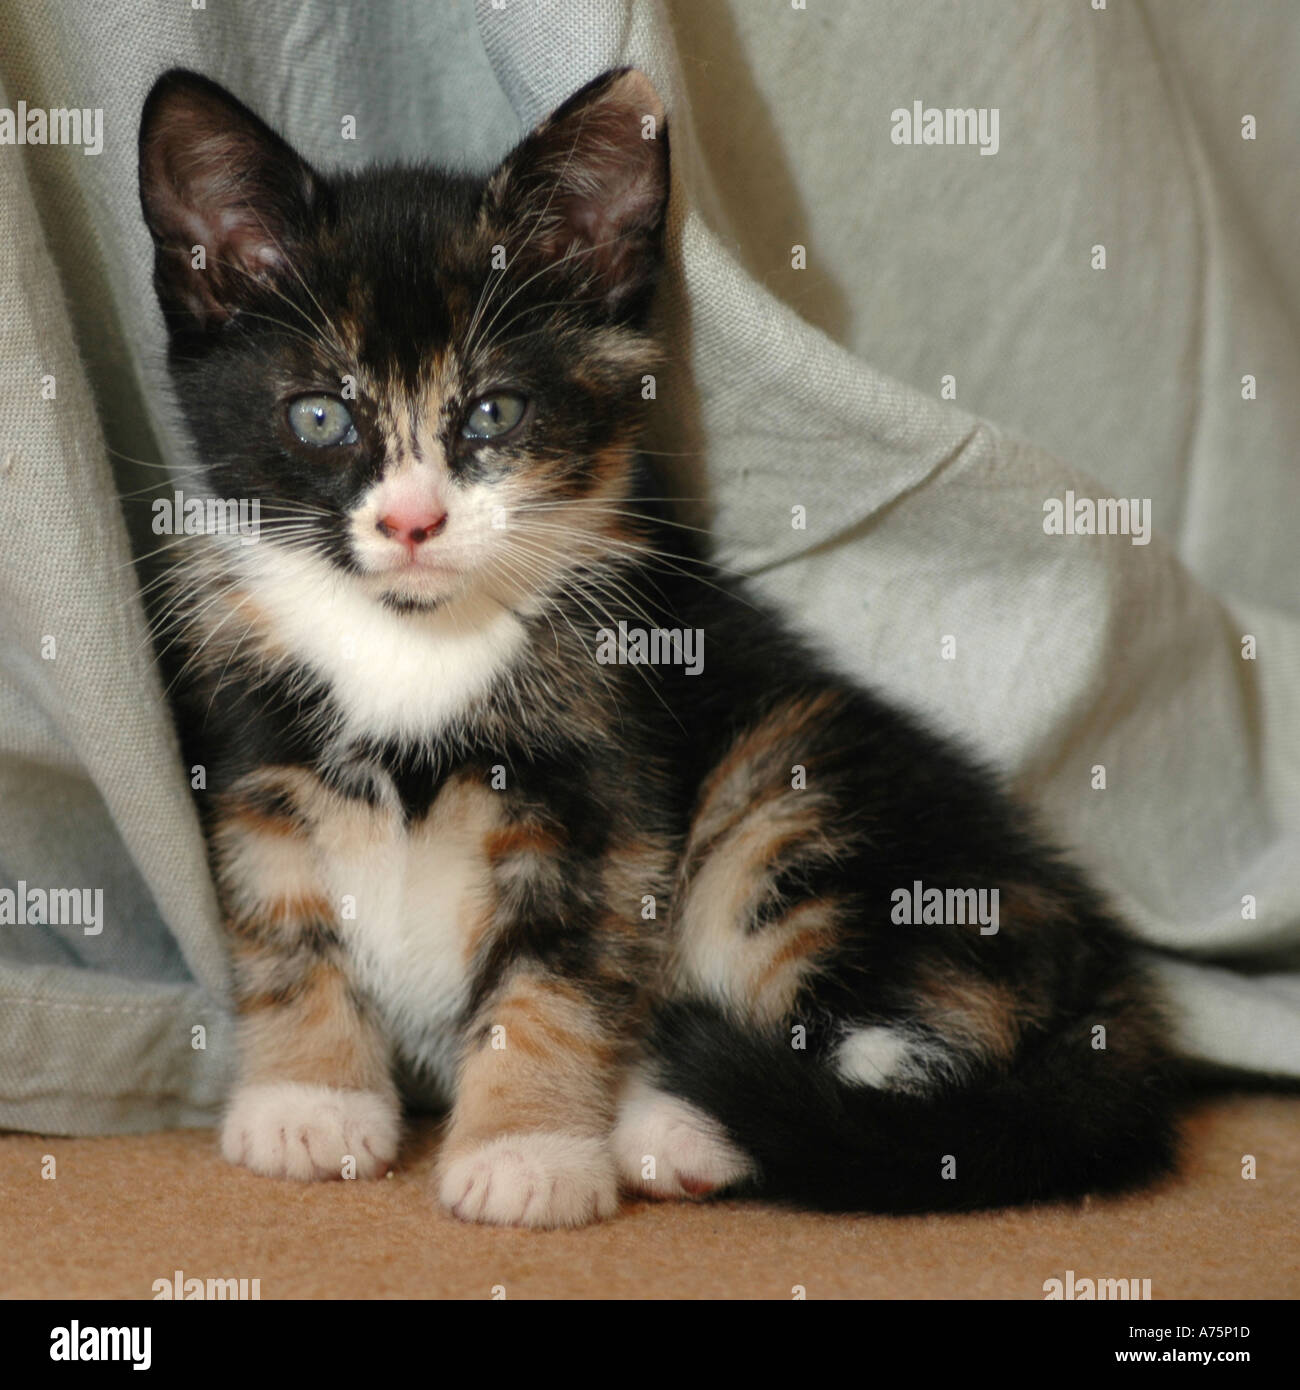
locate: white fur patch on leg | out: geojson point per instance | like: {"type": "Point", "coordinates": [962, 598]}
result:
{"type": "Point", "coordinates": [665, 1147]}
{"type": "Point", "coordinates": [533, 1179]}
{"type": "Point", "coordinates": [889, 1059]}
{"type": "Point", "coordinates": [291, 1130]}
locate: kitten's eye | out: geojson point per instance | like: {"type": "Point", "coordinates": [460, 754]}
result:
{"type": "Point", "coordinates": [321, 420]}
{"type": "Point", "coordinates": [492, 416]}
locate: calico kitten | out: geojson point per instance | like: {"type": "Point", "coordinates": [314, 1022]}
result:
{"type": "Point", "coordinates": [638, 924]}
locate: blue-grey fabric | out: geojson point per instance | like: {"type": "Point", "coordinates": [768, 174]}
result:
{"type": "Point", "coordinates": [803, 412]}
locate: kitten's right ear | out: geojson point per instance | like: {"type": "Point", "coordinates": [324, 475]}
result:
{"type": "Point", "coordinates": [223, 195]}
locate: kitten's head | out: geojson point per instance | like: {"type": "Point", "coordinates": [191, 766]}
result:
{"type": "Point", "coordinates": [431, 383]}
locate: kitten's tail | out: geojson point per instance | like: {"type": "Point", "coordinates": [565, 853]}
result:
{"type": "Point", "coordinates": [1064, 1121]}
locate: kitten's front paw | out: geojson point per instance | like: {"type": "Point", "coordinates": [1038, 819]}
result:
{"type": "Point", "coordinates": [292, 1130]}
{"type": "Point", "coordinates": [538, 1179]}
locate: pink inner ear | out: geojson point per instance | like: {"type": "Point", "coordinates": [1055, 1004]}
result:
{"type": "Point", "coordinates": [213, 202]}
{"type": "Point", "coordinates": [248, 243]}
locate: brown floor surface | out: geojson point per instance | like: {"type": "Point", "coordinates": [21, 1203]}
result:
{"type": "Point", "coordinates": [125, 1211]}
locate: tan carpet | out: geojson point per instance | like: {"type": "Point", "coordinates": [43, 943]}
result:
{"type": "Point", "coordinates": [123, 1212]}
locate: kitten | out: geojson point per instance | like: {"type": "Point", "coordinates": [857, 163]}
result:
{"type": "Point", "coordinates": [642, 926]}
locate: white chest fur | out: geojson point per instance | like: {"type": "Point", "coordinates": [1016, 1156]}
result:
{"type": "Point", "coordinates": [393, 676]}
{"type": "Point", "coordinates": [414, 903]}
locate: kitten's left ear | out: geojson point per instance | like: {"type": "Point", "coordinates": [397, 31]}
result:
{"type": "Point", "coordinates": [589, 189]}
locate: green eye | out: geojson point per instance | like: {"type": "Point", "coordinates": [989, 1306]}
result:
{"type": "Point", "coordinates": [321, 420]}
{"type": "Point", "coordinates": [492, 416]}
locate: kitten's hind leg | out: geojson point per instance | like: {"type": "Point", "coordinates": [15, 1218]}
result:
{"type": "Point", "coordinates": [666, 1147]}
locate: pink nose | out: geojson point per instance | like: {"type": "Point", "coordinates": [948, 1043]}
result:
{"type": "Point", "coordinates": [412, 527]}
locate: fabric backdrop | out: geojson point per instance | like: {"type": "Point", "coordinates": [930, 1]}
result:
{"type": "Point", "coordinates": [817, 387]}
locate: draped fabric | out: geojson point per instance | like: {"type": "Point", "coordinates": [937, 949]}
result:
{"type": "Point", "coordinates": [889, 364]}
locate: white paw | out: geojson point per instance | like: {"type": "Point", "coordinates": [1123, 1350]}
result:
{"type": "Point", "coordinates": [538, 1179]}
{"type": "Point", "coordinates": [665, 1147]}
{"type": "Point", "coordinates": [291, 1130]}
